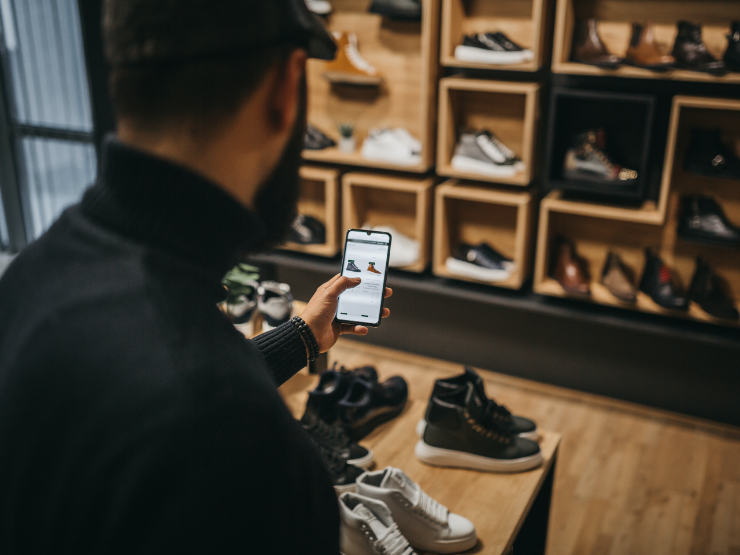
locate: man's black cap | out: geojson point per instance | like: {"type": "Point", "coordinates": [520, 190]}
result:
{"type": "Point", "coordinates": [143, 32]}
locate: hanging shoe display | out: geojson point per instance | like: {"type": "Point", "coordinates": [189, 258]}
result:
{"type": "Point", "coordinates": [349, 67]}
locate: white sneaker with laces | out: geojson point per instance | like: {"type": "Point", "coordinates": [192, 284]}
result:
{"type": "Point", "coordinates": [405, 251]}
{"type": "Point", "coordinates": [427, 524]}
{"type": "Point", "coordinates": [367, 528]}
{"type": "Point", "coordinates": [387, 145]}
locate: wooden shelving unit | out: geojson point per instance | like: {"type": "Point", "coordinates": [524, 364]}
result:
{"type": "Point", "coordinates": [471, 213]}
{"type": "Point", "coordinates": [406, 54]}
{"type": "Point", "coordinates": [510, 110]}
{"type": "Point", "coordinates": [615, 26]}
{"type": "Point", "coordinates": [403, 203]}
{"type": "Point", "coordinates": [523, 21]}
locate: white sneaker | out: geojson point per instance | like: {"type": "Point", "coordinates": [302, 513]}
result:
{"type": "Point", "coordinates": [390, 145]}
{"type": "Point", "coordinates": [320, 7]}
{"type": "Point", "coordinates": [405, 251]}
{"type": "Point", "coordinates": [367, 528]}
{"type": "Point", "coordinates": [275, 303]}
{"type": "Point", "coordinates": [426, 523]}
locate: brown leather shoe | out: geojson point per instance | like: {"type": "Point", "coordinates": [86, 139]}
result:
{"type": "Point", "coordinates": [570, 270]}
{"type": "Point", "coordinates": [615, 278]}
{"type": "Point", "coordinates": [644, 52]}
{"type": "Point", "coordinates": [349, 66]}
{"type": "Point", "coordinates": [588, 48]}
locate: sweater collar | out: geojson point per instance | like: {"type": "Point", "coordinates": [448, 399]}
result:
{"type": "Point", "coordinates": [160, 203]}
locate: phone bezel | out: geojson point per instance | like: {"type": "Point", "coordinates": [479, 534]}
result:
{"type": "Point", "coordinates": [385, 277]}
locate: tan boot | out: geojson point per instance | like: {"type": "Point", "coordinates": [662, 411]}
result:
{"type": "Point", "coordinates": [614, 277]}
{"type": "Point", "coordinates": [349, 66]}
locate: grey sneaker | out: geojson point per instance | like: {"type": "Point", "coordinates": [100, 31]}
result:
{"type": "Point", "coordinates": [483, 153]}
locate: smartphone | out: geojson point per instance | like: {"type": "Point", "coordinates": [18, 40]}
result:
{"type": "Point", "coordinates": [366, 255]}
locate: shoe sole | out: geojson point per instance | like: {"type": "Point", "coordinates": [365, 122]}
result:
{"type": "Point", "coordinates": [471, 165]}
{"type": "Point", "coordinates": [350, 79]}
{"type": "Point", "coordinates": [480, 56]}
{"type": "Point", "coordinates": [421, 425]}
{"type": "Point", "coordinates": [445, 546]}
{"type": "Point", "coordinates": [436, 456]}
{"type": "Point", "coordinates": [577, 176]}
{"type": "Point", "coordinates": [714, 72]}
{"type": "Point", "coordinates": [460, 268]}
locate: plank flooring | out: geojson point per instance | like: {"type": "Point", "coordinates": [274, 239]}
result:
{"type": "Point", "coordinates": [629, 479]}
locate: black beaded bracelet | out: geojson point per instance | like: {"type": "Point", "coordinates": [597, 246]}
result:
{"type": "Point", "coordinates": [308, 337]}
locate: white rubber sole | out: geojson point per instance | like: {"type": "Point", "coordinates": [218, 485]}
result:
{"type": "Point", "coordinates": [365, 462]}
{"type": "Point", "coordinates": [421, 425]}
{"type": "Point", "coordinates": [379, 155]}
{"type": "Point", "coordinates": [461, 268]}
{"type": "Point", "coordinates": [478, 55]}
{"type": "Point", "coordinates": [471, 165]}
{"type": "Point", "coordinates": [445, 546]}
{"type": "Point", "coordinates": [436, 456]}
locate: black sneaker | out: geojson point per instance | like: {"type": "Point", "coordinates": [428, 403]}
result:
{"type": "Point", "coordinates": [307, 230]}
{"type": "Point", "coordinates": [463, 432]}
{"type": "Point", "coordinates": [333, 438]}
{"type": "Point", "coordinates": [707, 155]}
{"type": "Point", "coordinates": [710, 292]}
{"type": "Point", "coordinates": [409, 10]}
{"type": "Point", "coordinates": [368, 405]}
{"type": "Point", "coordinates": [316, 140]}
{"type": "Point", "coordinates": [343, 475]}
{"type": "Point", "coordinates": [351, 267]}
{"type": "Point", "coordinates": [332, 387]}
{"type": "Point", "coordinates": [703, 221]}
{"type": "Point", "coordinates": [516, 425]}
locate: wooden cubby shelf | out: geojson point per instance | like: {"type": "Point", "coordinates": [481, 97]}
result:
{"type": "Point", "coordinates": [406, 54]}
{"type": "Point", "coordinates": [509, 110]}
{"type": "Point", "coordinates": [615, 27]}
{"type": "Point", "coordinates": [319, 198]}
{"type": "Point", "coordinates": [402, 203]}
{"type": "Point", "coordinates": [523, 21]}
{"type": "Point", "coordinates": [471, 213]}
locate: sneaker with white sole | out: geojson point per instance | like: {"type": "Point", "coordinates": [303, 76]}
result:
{"type": "Point", "coordinates": [367, 528]}
{"type": "Point", "coordinates": [492, 48]}
{"type": "Point", "coordinates": [481, 262]}
{"type": "Point", "coordinates": [483, 153]}
{"type": "Point", "coordinates": [394, 146]}
{"type": "Point", "coordinates": [275, 302]}
{"type": "Point", "coordinates": [405, 251]}
{"type": "Point", "coordinates": [427, 524]}
{"type": "Point", "coordinates": [319, 7]}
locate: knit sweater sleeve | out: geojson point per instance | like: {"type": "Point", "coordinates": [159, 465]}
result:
{"type": "Point", "coordinates": [284, 350]}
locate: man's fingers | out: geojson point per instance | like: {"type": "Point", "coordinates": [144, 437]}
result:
{"type": "Point", "coordinates": [386, 312]}
{"type": "Point", "coordinates": [354, 330]}
{"type": "Point", "coordinates": [388, 292]}
{"type": "Point", "coordinates": [341, 285]}
{"type": "Point", "coordinates": [329, 283]}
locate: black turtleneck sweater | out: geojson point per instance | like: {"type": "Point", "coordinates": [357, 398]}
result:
{"type": "Point", "coordinates": [134, 418]}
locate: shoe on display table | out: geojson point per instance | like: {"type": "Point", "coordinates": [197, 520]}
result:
{"type": "Point", "coordinates": [483, 153]}
{"type": "Point", "coordinates": [732, 54]}
{"type": "Point", "coordinates": [395, 146]}
{"type": "Point", "coordinates": [517, 425]}
{"type": "Point", "coordinates": [644, 52]}
{"type": "Point", "coordinates": [425, 523]}
{"type": "Point", "coordinates": [492, 48]}
{"type": "Point", "coordinates": [343, 475]}
{"type": "Point", "coordinates": [615, 278]}
{"type": "Point", "coordinates": [703, 221]}
{"type": "Point", "coordinates": [691, 52]}
{"type": "Point", "coordinates": [710, 293]}
{"type": "Point", "coordinates": [275, 302]}
{"type": "Point", "coordinates": [307, 230]}
{"type": "Point", "coordinates": [316, 139]}
{"type": "Point", "coordinates": [367, 528]}
{"type": "Point", "coordinates": [405, 251]}
{"type": "Point", "coordinates": [588, 48]}
{"type": "Point", "coordinates": [571, 270]}
{"type": "Point", "coordinates": [587, 161]}
{"type": "Point", "coordinates": [481, 262]}
{"type": "Point", "coordinates": [319, 7]}
{"type": "Point", "coordinates": [462, 432]}
{"type": "Point", "coordinates": [367, 405]}
{"type": "Point", "coordinates": [707, 155]}
{"type": "Point", "coordinates": [332, 387]}
{"type": "Point", "coordinates": [409, 10]}
{"type": "Point", "coordinates": [349, 67]}
{"type": "Point", "coordinates": [333, 438]}
{"type": "Point", "coordinates": [657, 282]}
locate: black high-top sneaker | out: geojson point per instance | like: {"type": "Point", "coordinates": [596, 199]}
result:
{"type": "Point", "coordinates": [343, 475]}
{"type": "Point", "coordinates": [703, 221]}
{"type": "Point", "coordinates": [709, 292]}
{"type": "Point", "coordinates": [691, 52]}
{"type": "Point", "coordinates": [732, 54]}
{"type": "Point", "coordinates": [517, 425]}
{"type": "Point", "coordinates": [332, 437]}
{"type": "Point", "coordinates": [657, 282]}
{"type": "Point", "coordinates": [708, 155]}
{"type": "Point", "coordinates": [463, 432]}
{"type": "Point", "coordinates": [352, 267]}
{"type": "Point", "coordinates": [587, 160]}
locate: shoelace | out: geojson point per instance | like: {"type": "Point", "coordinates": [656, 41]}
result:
{"type": "Point", "coordinates": [502, 147]}
{"type": "Point", "coordinates": [357, 60]}
{"type": "Point", "coordinates": [432, 508]}
{"type": "Point", "coordinates": [490, 43]}
{"type": "Point", "coordinates": [490, 149]}
{"type": "Point", "coordinates": [394, 543]}
{"type": "Point", "coordinates": [331, 458]}
{"type": "Point", "coordinates": [498, 410]}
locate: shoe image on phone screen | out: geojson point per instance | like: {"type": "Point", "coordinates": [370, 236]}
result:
{"type": "Point", "coordinates": [366, 255]}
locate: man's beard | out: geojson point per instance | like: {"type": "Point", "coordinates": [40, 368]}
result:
{"type": "Point", "coordinates": [276, 202]}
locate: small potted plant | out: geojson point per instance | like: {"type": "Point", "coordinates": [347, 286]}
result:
{"type": "Point", "coordinates": [346, 138]}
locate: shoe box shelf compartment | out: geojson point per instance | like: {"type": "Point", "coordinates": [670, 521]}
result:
{"type": "Point", "coordinates": [595, 232]}
{"type": "Point", "coordinates": [320, 199]}
{"type": "Point", "coordinates": [471, 213]}
{"type": "Point", "coordinates": [615, 18]}
{"type": "Point", "coordinates": [403, 203]}
{"type": "Point", "coordinates": [509, 110]}
{"type": "Point", "coordinates": [406, 55]}
{"type": "Point", "coordinates": [628, 122]}
{"type": "Point", "coordinates": [523, 21]}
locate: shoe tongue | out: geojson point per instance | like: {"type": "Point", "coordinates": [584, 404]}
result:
{"type": "Point", "coordinates": [396, 480]}
{"type": "Point", "coordinates": [477, 381]}
{"type": "Point", "coordinates": [372, 521]}
{"type": "Point", "coordinates": [475, 405]}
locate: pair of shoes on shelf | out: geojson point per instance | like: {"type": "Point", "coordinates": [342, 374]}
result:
{"type": "Point", "coordinates": [393, 145]}
{"type": "Point", "coordinates": [481, 262]}
{"type": "Point", "coordinates": [391, 514]}
{"type": "Point", "coordinates": [586, 160]}
{"type": "Point", "coordinates": [307, 230]}
{"type": "Point", "coordinates": [463, 428]}
{"type": "Point", "coordinates": [492, 48]}
{"type": "Point", "coordinates": [481, 152]}
{"type": "Point", "coordinates": [356, 400]}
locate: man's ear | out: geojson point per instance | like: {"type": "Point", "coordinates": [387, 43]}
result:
{"type": "Point", "coordinates": [286, 91]}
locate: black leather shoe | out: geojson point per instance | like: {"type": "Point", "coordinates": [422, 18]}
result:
{"type": "Point", "coordinates": [368, 405]}
{"type": "Point", "coordinates": [708, 155]}
{"type": "Point", "coordinates": [307, 230]}
{"type": "Point", "coordinates": [657, 282]}
{"type": "Point", "coordinates": [732, 54]}
{"type": "Point", "coordinates": [332, 387]}
{"type": "Point", "coordinates": [703, 221]}
{"type": "Point", "coordinates": [316, 140]}
{"type": "Point", "coordinates": [691, 52]}
{"type": "Point", "coordinates": [709, 292]}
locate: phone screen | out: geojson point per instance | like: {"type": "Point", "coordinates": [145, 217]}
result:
{"type": "Point", "coordinates": [365, 256]}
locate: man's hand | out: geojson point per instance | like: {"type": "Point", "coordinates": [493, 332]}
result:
{"type": "Point", "coordinates": [321, 309]}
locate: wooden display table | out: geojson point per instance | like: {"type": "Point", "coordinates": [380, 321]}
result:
{"type": "Point", "coordinates": [508, 510]}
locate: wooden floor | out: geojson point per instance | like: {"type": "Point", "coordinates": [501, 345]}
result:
{"type": "Point", "coordinates": [629, 479]}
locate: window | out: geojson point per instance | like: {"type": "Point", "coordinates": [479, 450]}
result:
{"type": "Point", "coordinates": [50, 119]}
